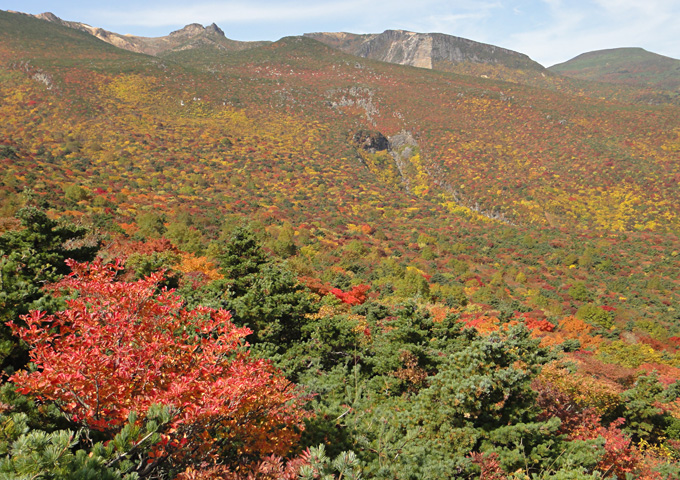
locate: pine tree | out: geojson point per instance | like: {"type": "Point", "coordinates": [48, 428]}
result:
{"type": "Point", "coordinates": [31, 257]}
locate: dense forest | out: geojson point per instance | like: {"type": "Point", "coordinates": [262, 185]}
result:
{"type": "Point", "coordinates": [288, 262]}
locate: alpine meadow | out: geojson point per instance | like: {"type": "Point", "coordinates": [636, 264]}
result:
{"type": "Point", "coordinates": [335, 256]}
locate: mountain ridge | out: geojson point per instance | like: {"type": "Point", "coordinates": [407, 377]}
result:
{"type": "Point", "coordinates": [190, 36]}
{"type": "Point", "coordinates": [634, 67]}
{"type": "Point", "coordinates": [424, 50]}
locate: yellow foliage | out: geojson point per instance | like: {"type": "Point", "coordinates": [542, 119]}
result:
{"type": "Point", "coordinates": [583, 389]}
{"type": "Point", "coordinates": [414, 270]}
{"type": "Point", "coordinates": [133, 88]}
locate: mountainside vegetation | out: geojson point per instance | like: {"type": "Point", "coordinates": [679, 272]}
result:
{"type": "Point", "coordinates": [287, 261]}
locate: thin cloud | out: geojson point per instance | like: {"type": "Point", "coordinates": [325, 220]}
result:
{"type": "Point", "coordinates": [462, 19]}
{"type": "Point", "coordinates": [647, 8]}
{"type": "Point", "coordinates": [356, 12]}
{"type": "Point", "coordinates": [225, 13]}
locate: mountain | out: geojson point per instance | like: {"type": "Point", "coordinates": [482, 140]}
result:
{"type": "Point", "coordinates": [427, 50]}
{"type": "Point", "coordinates": [587, 151]}
{"type": "Point", "coordinates": [187, 38]}
{"type": "Point", "coordinates": [503, 177]}
{"type": "Point", "coordinates": [630, 66]}
{"type": "Point", "coordinates": [440, 220]}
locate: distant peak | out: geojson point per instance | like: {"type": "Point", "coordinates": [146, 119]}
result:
{"type": "Point", "coordinates": [192, 28]}
{"type": "Point", "coordinates": [49, 16]}
{"type": "Point", "coordinates": [197, 29]}
{"type": "Point", "coordinates": [213, 28]}
{"type": "Point", "coordinates": [402, 32]}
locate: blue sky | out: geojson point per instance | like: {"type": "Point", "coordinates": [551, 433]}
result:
{"type": "Point", "coordinates": [549, 31]}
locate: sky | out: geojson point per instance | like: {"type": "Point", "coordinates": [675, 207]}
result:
{"type": "Point", "coordinates": [549, 31]}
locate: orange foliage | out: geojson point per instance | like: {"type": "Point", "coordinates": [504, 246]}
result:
{"type": "Point", "coordinates": [484, 324]}
{"type": "Point", "coordinates": [438, 311]}
{"type": "Point", "coordinates": [189, 263]}
{"type": "Point", "coordinates": [315, 284]}
{"type": "Point", "coordinates": [571, 328]}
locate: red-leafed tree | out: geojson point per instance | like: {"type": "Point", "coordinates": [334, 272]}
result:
{"type": "Point", "coordinates": [620, 457]}
{"type": "Point", "coordinates": [124, 346]}
{"type": "Point", "coordinates": [355, 296]}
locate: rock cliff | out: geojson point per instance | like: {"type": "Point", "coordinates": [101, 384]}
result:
{"type": "Point", "coordinates": [426, 50]}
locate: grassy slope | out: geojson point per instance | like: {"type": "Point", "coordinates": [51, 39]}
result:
{"type": "Point", "coordinates": [633, 66]}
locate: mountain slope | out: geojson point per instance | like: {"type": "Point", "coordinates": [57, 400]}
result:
{"type": "Point", "coordinates": [492, 201]}
{"type": "Point", "coordinates": [631, 66]}
{"type": "Point", "coordinates": [189, 37]}
{"type": "Point", "coordinates": [501, 175]}
{"type": "Point", "coordinates": [531, 156]}
{"type": "Point", "coordinates": [23, 34]}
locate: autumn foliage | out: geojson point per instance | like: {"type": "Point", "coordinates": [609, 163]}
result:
{"type": "Point", "coordinates": [355, 296]}
{"type": "Point", "coordinates": [123, 346]}
{"type": "Point", "coordinates": [620, 457]}
{"type": "Point", "coordinates": [551, 207]}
